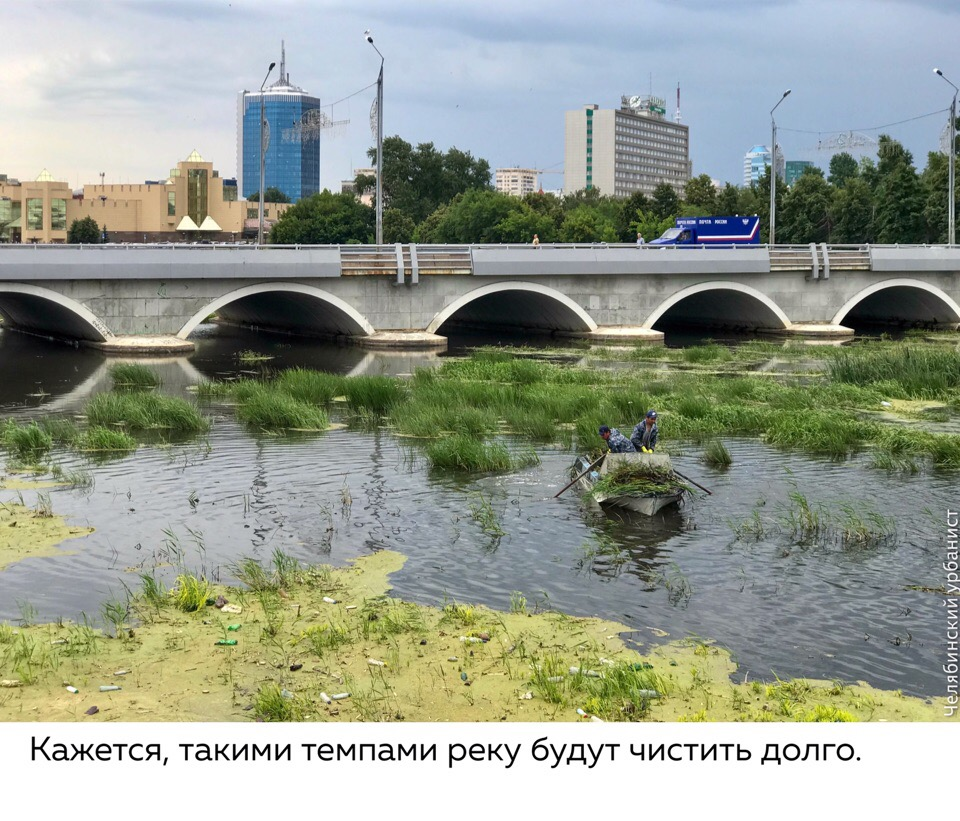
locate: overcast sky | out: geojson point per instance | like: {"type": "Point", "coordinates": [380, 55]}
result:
{"type": "Point", "coordinates": [130, 87]}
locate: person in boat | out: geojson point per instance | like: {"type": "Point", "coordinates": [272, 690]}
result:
{"type": "Point", "coordinates": [644, 436]}
{"type": "Point", "coordinates": [616, 441]}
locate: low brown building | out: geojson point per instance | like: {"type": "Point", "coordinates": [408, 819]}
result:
{"type": "Point", "coordinates": [193, 204]}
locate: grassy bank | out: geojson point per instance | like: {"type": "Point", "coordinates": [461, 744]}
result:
{"type": "Point", "coordinates": [315, 644]}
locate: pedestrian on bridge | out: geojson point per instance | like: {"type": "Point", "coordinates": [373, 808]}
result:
{"type": "Point", "coordinates": [640, 239]}
{"type": "Point", "coordinates": [536, 241]}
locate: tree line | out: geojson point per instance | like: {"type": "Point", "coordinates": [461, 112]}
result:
{"type": "Point", "coordinates": [430, 196]}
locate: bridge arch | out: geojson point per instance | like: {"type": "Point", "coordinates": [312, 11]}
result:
{"type": "Point", "coordinates": [901, 301]}
{"type": "Point", "coordinates": [529, 306]}
{"type": "Point", "coordinates": [282, 306]}
{"type": "Point", "coordinates": [740, 304]}
{"type": "Point", "coordinates": [40, 310]}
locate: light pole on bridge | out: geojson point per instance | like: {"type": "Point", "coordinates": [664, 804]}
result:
{"type": "Point", "coordinates": [773, 171]}
{"type": "Point", "coordinates": [952, 131]}
{"type": "Point", "coordinates": [263, 151]}
{"type": "Point", "coordinates": [369, 37]}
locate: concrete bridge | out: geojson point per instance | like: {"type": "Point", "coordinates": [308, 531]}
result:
{"type": "Point", "coordinates": [152, 297]}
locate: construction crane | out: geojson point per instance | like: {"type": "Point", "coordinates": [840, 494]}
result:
{"type": "Point", "coordinates": [541, 171]}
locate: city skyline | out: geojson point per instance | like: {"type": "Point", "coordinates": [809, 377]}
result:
{"type": "Point", "coordinates": [119, 87]}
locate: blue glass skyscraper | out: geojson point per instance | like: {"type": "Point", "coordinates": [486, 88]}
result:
{"type": "Point", "coordinates": [292, 160]}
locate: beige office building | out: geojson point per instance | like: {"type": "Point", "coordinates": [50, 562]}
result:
{"type": "Point", "coordinates": [192, 204]}
{"type": "Point", "coordinates": [516, 181]}
{"type": "Point", "coordinates": [633, 148]}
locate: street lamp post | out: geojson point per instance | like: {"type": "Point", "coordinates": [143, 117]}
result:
{"type": "Point", "coordinates": [773, 171]}
{"type": "Point", "coordinates": [369, 37]}
{"type": "Point", "coordinates": [951, 216]}
{"type": "Point", "coordinates": [263, 151]}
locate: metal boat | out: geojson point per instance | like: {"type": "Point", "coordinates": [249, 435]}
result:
{"type": "Point", "coordinates": [645, 503]}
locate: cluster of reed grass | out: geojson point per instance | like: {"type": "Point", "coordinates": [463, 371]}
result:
{"type": "Point", "coordinates": [464, 453]}
{"type": "Point", "coordinates": [28, 442]}
{"type": "Point", "coordinates": [266, 408]}
{"type": "Point", "coordinates": [100, 439]}
{"type": "Point", "coordinates": [813, 522]}
{"type": "Point", "coordinates": [466, 403]}
{"type": "Point", "coordinates": [32, 441]}
{"type": "Point", "coordinates": [907, 371]}
{"type": "Point", "coordinates": [131, 376]}
{"type": "Point", "coordinates": [145, 411]}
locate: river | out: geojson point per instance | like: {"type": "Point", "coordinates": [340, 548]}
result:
{"type": "Point", "coordinates": [818, 611]}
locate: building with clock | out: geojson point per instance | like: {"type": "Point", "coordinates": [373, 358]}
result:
{"type": "Point", "coordinates": [620, 151]}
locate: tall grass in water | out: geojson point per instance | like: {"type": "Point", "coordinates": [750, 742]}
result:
{"type": "Point", "coordinates": [917, 372]}
{"type": "Point", "coordinates": [104, 439]}
{"type": "Point", "coordinates": [710, 352]}
{"type": "Point", "coordinates": [818, 431]}
{"type": "Point", "coordinates": [26, 441]}
{"type": "Point", "coordinates": [468, 454]}
{"type": "Point", "coordinates": [373, 394]}
{"type": "Point", "coordinates": [269, 409]}
{"type": "Point", "coordinates": [61, 430]}
{"type": "Point", "coordinates": [130, 376]}
{"type": "Point", "coordinates": [313, 387]}
{"type": "Point", "coordinates": [145, 411]}
{"type": "Point", "coordinates": [716, 454]}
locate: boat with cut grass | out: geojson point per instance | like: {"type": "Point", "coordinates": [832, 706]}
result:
{"type": "Point", "coordinates": [642, 482]}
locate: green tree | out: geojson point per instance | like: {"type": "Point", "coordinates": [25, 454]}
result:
{"type": "Point", "coordinates": [853, 213]}
{"type": "Point", "coordinates": [84, 232]}
{"type": "Point", "coordinates": [482, 215]}
{"type": "Point", "coordinates": [666, 203]}
{"type": "Point", "coordinates": [650, 225]}
{"type": "Point", "coordinates": [325, 218]}
{"type": "Point", "coordinates": [630, 211]}
{"type": "Point", "coordinates": [728, 201]}
{"type": "Point", "coordinates": [397, 226]}
{"type": "Point", "coordinates": [416, 181]}
{"type": "Point", "coordinates": [701, 195]}
{"type": "Point", "coordinates": [843, 167]}
{"type": "Point", "coordinates": [586, 224]}
{"type": "Point", "coordinates": [806, 214]}
{"type": "Point", "coordinates": [898, 195]}
{"type": "Point", "coordinates": [935, 180]}
{"type": "Point", "coordinates": [550, 206]}
{"type": "Point", "coordinates": [270, 194]}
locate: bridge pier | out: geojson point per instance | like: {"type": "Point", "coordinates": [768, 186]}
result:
{"type": "Point", "coordinates": [402, 341]}
{"type": "Point", "coordinates": [617, 333]}
{"type": "Point", "coordinates": [144, 345]}
{"type": "Point", "coordinates": [811, 330]}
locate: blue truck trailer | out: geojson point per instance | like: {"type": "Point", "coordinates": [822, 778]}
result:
{"type": "Point", "coordinates": [712, 231]}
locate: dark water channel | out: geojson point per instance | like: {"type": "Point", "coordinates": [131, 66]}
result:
{"type": "Point", "coordinates": [817, 611]}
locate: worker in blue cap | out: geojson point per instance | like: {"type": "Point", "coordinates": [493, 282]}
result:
{"type": "Point", "coordinates": [616, 441]}
{"type": "Point", "coordinates": [644, 436]}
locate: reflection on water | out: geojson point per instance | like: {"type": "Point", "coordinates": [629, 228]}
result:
{"type": "Point", "coordinates": [821, 610]}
